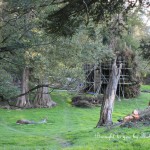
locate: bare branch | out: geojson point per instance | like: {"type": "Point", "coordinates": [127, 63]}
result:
{"type": "Point", "coordinates": [87, 21]}
{"type": "Point", "coordinates": [36, 87]}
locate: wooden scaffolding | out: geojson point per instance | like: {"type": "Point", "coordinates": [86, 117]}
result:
{"type": "Point", "coordinates": [97, 76]}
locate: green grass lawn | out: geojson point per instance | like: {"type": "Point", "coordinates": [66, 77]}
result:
{"type": "Point", "coordinates": [72, 128]}
{"type": "Point", "coordinates": [145, 87]}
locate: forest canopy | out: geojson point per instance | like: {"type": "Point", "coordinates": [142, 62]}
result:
{"type": "Point", "coordinates": [67, 15]}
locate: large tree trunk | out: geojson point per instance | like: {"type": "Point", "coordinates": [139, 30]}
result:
{"type": "Point", "coordinates": [109, 97]}
{"type": "Point", "coordinates": [23, 101]}
{"type": "Point", "coordinates": [43, 98]}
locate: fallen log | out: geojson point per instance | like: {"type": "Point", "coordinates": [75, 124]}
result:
{"type": "Point", "coordinates": [31, 122]}
{"type": "Point", "coordinates": [145, 112]}
{"type": "Point", "coordinates": [136, 116]}
{"type": "Point", "coordinates": [132, 119]}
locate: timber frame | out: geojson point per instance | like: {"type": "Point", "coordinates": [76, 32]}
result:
{"type": "Point", "coordinates": [97, 76]}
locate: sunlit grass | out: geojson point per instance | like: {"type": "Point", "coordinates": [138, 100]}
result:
{"type": "Point", "coordinates": [72, 128]}
{"type": "Point", "coordinates": [145, 87]}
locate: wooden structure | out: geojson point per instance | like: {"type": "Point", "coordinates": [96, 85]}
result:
{"type": "Point", "coordinates": [97, 76]}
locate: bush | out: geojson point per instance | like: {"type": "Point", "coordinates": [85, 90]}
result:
{"type": "Point", "coordinates": [7, 88]}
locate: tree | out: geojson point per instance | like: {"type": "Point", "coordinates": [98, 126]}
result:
{"type": "Point", "coordinates": [43, 98]}
{"type": "Point", "coordinates": [109, 97]}
{"type": "Point", "coordinates": [23, 101]}
{"type": "Point", "coordinates": [20, 35]}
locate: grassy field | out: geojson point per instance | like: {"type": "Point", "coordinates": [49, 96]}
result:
{"type": "Point", "coordinates": [72, 128]}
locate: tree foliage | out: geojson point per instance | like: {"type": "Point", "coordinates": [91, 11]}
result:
{"type": "Point", "coordinates": [67, 15]}
{"type": "Point", "coordinates": [7, 88]}
{"type": "Point", "coordinates": [145, 46]}
{"type": "Point", "coordinates": [24, 42]}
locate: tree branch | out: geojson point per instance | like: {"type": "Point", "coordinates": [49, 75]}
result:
{"type": "Point", "coordinates": [36, 87]}
{"type": "Point", "coordinates": [11, 48]}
